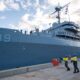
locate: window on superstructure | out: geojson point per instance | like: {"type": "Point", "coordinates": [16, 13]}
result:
{"type": "Point", "coordinates": [68, 37]}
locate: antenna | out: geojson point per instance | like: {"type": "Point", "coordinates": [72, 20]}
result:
{"type": "Point", "coordinates": [58, 9]}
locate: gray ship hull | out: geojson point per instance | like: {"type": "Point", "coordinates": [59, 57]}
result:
{"type": "Point", "coordinates": [17, 54]}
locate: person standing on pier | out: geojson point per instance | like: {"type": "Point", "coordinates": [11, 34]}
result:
{"type": "Point", "coordinates": [74, 60]}
{"type": "Point", "coordinates": [66, 59]}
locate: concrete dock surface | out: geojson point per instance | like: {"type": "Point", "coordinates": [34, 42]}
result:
{"type": "Point", "coordinates": [48, 73]}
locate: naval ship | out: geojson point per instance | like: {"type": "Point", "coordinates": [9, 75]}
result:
{"type": "Point", "coordinates": [19, 49]}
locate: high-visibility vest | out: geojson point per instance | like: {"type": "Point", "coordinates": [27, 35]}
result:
{"type": "Point", "coordinates": [65, 59]}
{"type": "Point", "coordinates": [74, 58]}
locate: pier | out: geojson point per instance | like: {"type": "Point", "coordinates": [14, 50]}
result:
{"type": "Point", "coordinates": [40, 72]}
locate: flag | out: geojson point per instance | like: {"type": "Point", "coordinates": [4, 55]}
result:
{"type": "Point", "coordinates": [66, 9]}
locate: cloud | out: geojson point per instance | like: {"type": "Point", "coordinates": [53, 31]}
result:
{"type": "Point", "coordinates": [2, 6]}
{"type": "Point", "coordinates": [37, 12]}
{"type": "Point", "coordinates": [22, 26]}
{"type": "Point", "coordinates": [39, 20]}
{"type": "Point", "coordinates": [74, 6]}
{"type": "Point", "coordinates": [14, 6]}
{"type": "Point", "coordinates": [25, 26]}
{"type": "Point", "coordinates": [2, 17]}
{"type": "Point", "coordinates": [41, 17]}
{"type": "Point", "coordinates": [12, 26]}
{"type": "Point", "coordinates": [25, 17]}
{"type": "Point", "coordinates": [74, 11]}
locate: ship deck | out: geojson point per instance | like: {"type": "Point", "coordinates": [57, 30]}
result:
{"type": "Point", "coordinates": [41, 72]}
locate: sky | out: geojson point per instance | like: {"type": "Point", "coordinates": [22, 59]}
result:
{"type": "Point", "coordinates": [28, 14]}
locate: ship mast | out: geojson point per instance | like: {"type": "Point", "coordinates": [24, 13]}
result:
{"type": "Point", "coordinates": [58, 14]}
{"type": "Point", "coordinates": [58, 10]}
